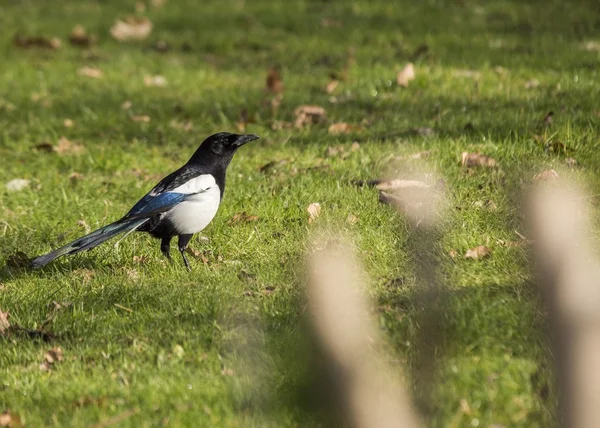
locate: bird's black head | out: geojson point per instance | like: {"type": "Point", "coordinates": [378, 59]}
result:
{"type": "Point", "coordinates": [220, 148]}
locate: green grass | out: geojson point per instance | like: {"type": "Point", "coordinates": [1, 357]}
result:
{"type": "Point", "coordinates": [225, 344]}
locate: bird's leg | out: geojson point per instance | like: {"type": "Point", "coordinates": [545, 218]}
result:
{"type": "Point", "coordinates": [184, 240]}
{"type": "Point", "coordinates": [165, 247]}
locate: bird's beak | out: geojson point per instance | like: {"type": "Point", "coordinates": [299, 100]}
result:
{"type": "Point", "coordinates": [243, 139]}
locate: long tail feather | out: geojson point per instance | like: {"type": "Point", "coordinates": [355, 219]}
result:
{"type": "Point", "coordinates": [89, 241]}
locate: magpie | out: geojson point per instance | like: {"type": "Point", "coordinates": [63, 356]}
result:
{"type": "Point", "coordinates": [181, 204]}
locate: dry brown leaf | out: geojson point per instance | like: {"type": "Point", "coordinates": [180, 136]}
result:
{"type": "Point", "coordinates": [546, 175]}
{"type": "Point", "coordinates": [453, 254]}
{"type": "Point", "coordinates": [406, 75]}
{"type": "Point", "coordinates": [57, 306]}
{"type": "Point", "coordinates": [400, 184]}
{"type": "Point", "coordinates": [126, 105]}
{"type": "Point", "coordinates": [479, 252]}
{"type": "Point", "coordinates": [140, 259]}
{"type": "Point", "coordinates": [156, 81]}
{"type": "Point", "coordinates": [275, 84]}
{"type": "Point", "coordinates": [185, 125]}
{"type": "Point", "coordinates": [91, 72]}
{"type": "Point", "coordinates": [132, 28]}
{"type": "Point", "coordinates": [331, 86]}
{"type": "Point", "coordinates": [4, 324]}
{"type": "Point", "coordinates": [79, 37]}
{"type": "Point", "coordinates": [308, 115]}
{"type": "Point", "coordinates": [592, 46]}
{"type": "Point", "coordinates": [17, 184]}
{"type": "Point", "coordinates": [86, 227]}
{"type": "Point", "coordinates": [132, 274]}
{"type": "Point", "coordinates": [85, 274]}
{"type": "Point", "coordinates": [351, 219]}
{"type": "Point", "coordinates": [65, 147]}
{"type": "Point", "coordinates": [340, 128]}
{"type": "Point", "coordinates": [68, 123]}
{"type": "Point", "coordinates": [75, 176]}
{"type": "Point", "coordinates": [10, 420]}
{"type": "Point", "coordinates": [141, 118]}
{"type": "Point", "coordinates": [548, 118]}
{"type": "Point", "coordinates": [53, 356]}
{"type": "Point", "coordinates": [242, 217]}
{"type": "Point", "coordinates": [53, 43]}
{"type": "Point", "coordinates": [532, 83]}
{"type": "Point", "coordinates": [477, 159]}
{"type": "Point", "coordinates": [314, 210]}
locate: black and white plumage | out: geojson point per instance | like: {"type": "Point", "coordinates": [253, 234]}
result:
{"type": "Point", "coordinates": [181, 204]}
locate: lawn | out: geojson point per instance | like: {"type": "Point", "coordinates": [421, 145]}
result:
{"type": "Point", "coordinates": [148, 343]}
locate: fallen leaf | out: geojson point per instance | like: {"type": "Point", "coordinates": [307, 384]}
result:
{"type": "Point", "coordinates": [453, 254]}
{"type": "Point", "coordinates": [351, 219]}
{"type": "Point", "coordinates": [406, 75]}
{"type": "Point", "coordinates": [532, 83]}
{"type": "Point", "coordinates": [339, 128]}
{"type": "Point", "coordinates": [57, 306]}
{"type": "Point", "coordinates": [132, 274]}
{"type": "Point", "coordinates": [65, 147]}
{"type": "Point", "coordinates": [4, 324]}
{"type": "Point", "coordinates": [400, 184]}
{"type": "Point", "coordinates": [86, 227]}
{"type": "Point", "coordinates": [355, 147]}
{"type": "Point", "coordinates": [548, 118]}
{"type": "Point", "coordinates": [464, 407]}
{"type": "Point", "coordinates": [242, 217]}
{"type": "Point", "coordinates": [156, 81]}
{"type": "Point", "coordinates": [17, 184]}
{"type": "Point", "coordinates": [132, 28]}
{"type": "Point", "coordinates": [140, 259]}
{"type": "Point", "coordinates": [274, 82]}
{"type": "Point", "coordinates": [479, 252]}
{"type": "Point", "coordinates": [140, 118]}
{"type": "Point", "coordinates": [53, 356]}
{"type": "Point", "coordinates": [75, 176]}
{"type": "Point", "coordinates": [227, 371]}
{"type": "Point", "coordinates": [79, 37]}
{"type": "Point", "coordinates": [85, 274]}
{"type": "Point", "coordinates": [68, 123]}
{"type": "Point", "coordinates": [91, 72]}
{"type": "Point", "coordinates": [592, 46]}
{"type": "Point", "coordinates": [10, 420]}
{"type": "Point", "coordinates": [546, 175]}
{"type": "Point", "coordinates": [314, 210]}
{"type": "Point", "coordinates": [53, 43]}
{"type": "Point", "coordinates": [186, 125]}
{"type": "Point", "coordinates": [477, 159]}
{"type": "Point", "coordinates": [126, 105]}
{"type": "Point", "coordinates": [331, 86]}
{"type": "Point", "coordinates": [571, 162]}
{"type": "Point", "coordinates": [308, 115]}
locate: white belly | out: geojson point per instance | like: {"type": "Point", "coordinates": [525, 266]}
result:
{"type": "Point", "coordinates": [195, 213]}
